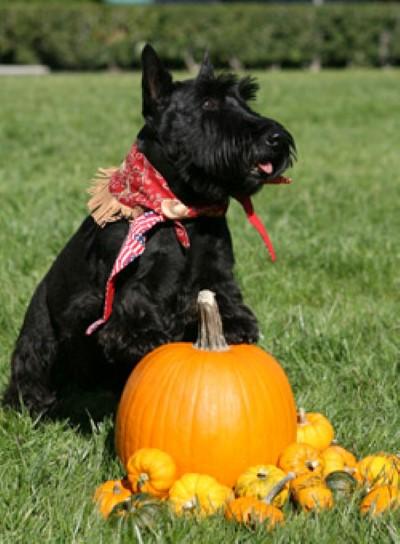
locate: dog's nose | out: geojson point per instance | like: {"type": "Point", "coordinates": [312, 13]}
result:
{"type": "Point", "coordinates": [273, 140]}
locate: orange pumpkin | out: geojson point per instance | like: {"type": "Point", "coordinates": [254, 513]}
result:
{"type": "Point", "coordinates": [216, 409]}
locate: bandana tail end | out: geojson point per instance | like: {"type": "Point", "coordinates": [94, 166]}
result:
{"type": "Point", "coordinates": [256, 222]}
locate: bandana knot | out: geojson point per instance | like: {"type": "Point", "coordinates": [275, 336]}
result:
{"type": "Point", "coordinates": [136, 191]}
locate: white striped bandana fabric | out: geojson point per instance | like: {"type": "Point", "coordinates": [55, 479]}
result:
{"type": "Point", "coordinates": [133, 246]}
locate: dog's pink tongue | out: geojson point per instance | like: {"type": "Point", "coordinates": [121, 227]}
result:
{"type": "Point", "coordinates": [267, 167]}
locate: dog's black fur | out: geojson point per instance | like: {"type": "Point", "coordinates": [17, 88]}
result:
{"type": "Point", "coordinates": [203, 137]}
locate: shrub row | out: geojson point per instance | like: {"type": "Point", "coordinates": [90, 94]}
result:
{"type": "Point", "coordinates": [94, 36]}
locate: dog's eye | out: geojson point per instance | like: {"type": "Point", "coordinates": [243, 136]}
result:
{"type": "Point", "coordinates": [210, 104]}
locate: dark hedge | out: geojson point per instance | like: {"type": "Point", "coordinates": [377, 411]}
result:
{"type": "Point", "coordinates": [89, 36]}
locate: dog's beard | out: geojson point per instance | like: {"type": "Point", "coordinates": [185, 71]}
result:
{"type": "Point", "coordinates": [243, 175]}
{"type": "Point", "coordinates": [214, 164]}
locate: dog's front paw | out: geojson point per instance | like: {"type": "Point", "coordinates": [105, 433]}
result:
{"type": "Point", "coordinates": [146, 341]}
{"type": "Point", "coordinates": [126, 346]}
{"type": "Point", "coordinates": [241, 331]}
{"type": "Point", "coordinates": [36, 398]}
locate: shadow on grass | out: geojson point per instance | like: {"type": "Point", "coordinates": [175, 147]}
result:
{"type": "Point", "coordinates": [82, 409]}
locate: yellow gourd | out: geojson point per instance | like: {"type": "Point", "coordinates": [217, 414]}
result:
{"type": "Point", "coordinates": [314, 429]}
{"type": "Point", "coordinates": [394, 458]}
{"type": "Point", "coordinates": [199, 494]}
{"type": "Point", "coordinates": [377, 470]}
{"type": "Point", "coordinates": [336, 458]}
{"type": "Point", "coordinates": [258, 481]}
{"type": "Point", "coordinates": [307, 479]}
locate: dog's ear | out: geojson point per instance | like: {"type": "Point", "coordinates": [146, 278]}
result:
{"type": "Point", "coordinates": [206, 69]}
{"type": "Point", "coordinates": [156, 80]}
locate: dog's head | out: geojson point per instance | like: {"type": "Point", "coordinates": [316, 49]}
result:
{"type": "Point", "coordinates": [218, 145]}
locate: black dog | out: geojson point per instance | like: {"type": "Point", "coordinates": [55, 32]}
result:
{"type": "Point", "coordinates": [208, 144]}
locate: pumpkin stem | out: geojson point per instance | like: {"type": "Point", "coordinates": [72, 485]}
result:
{"type": "Point", "coordinates": [143, 478]}
{"type": "Point", "coordinates": [210, 336]}
{"type": "Point", "coordinates": [312, 465]}
{"type": "Point", "coordinates": [190, 505]}
{"type": "Point", "coordinates": [278, 487]}
{"type": "Point", "coordinates": [301, 416]}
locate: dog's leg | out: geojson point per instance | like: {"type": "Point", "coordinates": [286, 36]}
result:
{"type": "Point", "coordinates": [32, 360]}
{"type": "Point", "coordinates": [239, 322]}
{"type": "Point", "coordinates": [137, 326]}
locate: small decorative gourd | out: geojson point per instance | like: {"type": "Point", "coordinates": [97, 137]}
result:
{"type": "Point", "coordinates": [306, 479]}
{"type": "Point", "coordinates": [216, 409]}
{"type": "Point", "coordinates": [251, 511]}
{"type": "Point", "coordinates": [380, 499]}
{"type": "Point", "coordinates": [377, 470]}
{"type": "Point", "coordinates": [336, 458]}
{"type": "Point", "coordinates": [314, 429]}
{"type": "Point", "coordinates": [308, 489]}
{"type": "Point", "coordinates": [198, 494]}
{"type": "Point", "coordinates": [259, 480]}
{"type": "Point", "coordinates": [111, 493]}
{"type": "Point", "coordinates": [341, 483]}
{"type": "Point", "coordinates": [314, 498]}
{"type": "Point", "coordinates": [394, 458]}
{"type": "Point", "coordinates": [300, 459]}
{"type": "Point", "coordinates": [142, 510]}
{"type": "Point", "coordinates": [152, 471]}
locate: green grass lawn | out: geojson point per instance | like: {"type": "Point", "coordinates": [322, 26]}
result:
{"type": "Point", "coordinates": [328, 308]}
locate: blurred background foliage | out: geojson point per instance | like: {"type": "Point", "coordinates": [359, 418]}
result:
{"type": "Point", "coordinates": [92, 35]}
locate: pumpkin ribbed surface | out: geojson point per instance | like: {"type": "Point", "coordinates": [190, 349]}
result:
{"type": "Point", "coordinates": [214, 412]}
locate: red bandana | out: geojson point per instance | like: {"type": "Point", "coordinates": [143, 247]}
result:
{"type": "Point", "coordinates": [138, 192]}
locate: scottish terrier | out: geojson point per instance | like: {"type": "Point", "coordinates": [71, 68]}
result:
{"type": "Point", "coordinates": [128, 279]}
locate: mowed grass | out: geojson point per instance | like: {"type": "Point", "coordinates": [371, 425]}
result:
{"type": "Point", "coordinates": [328, 308]}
